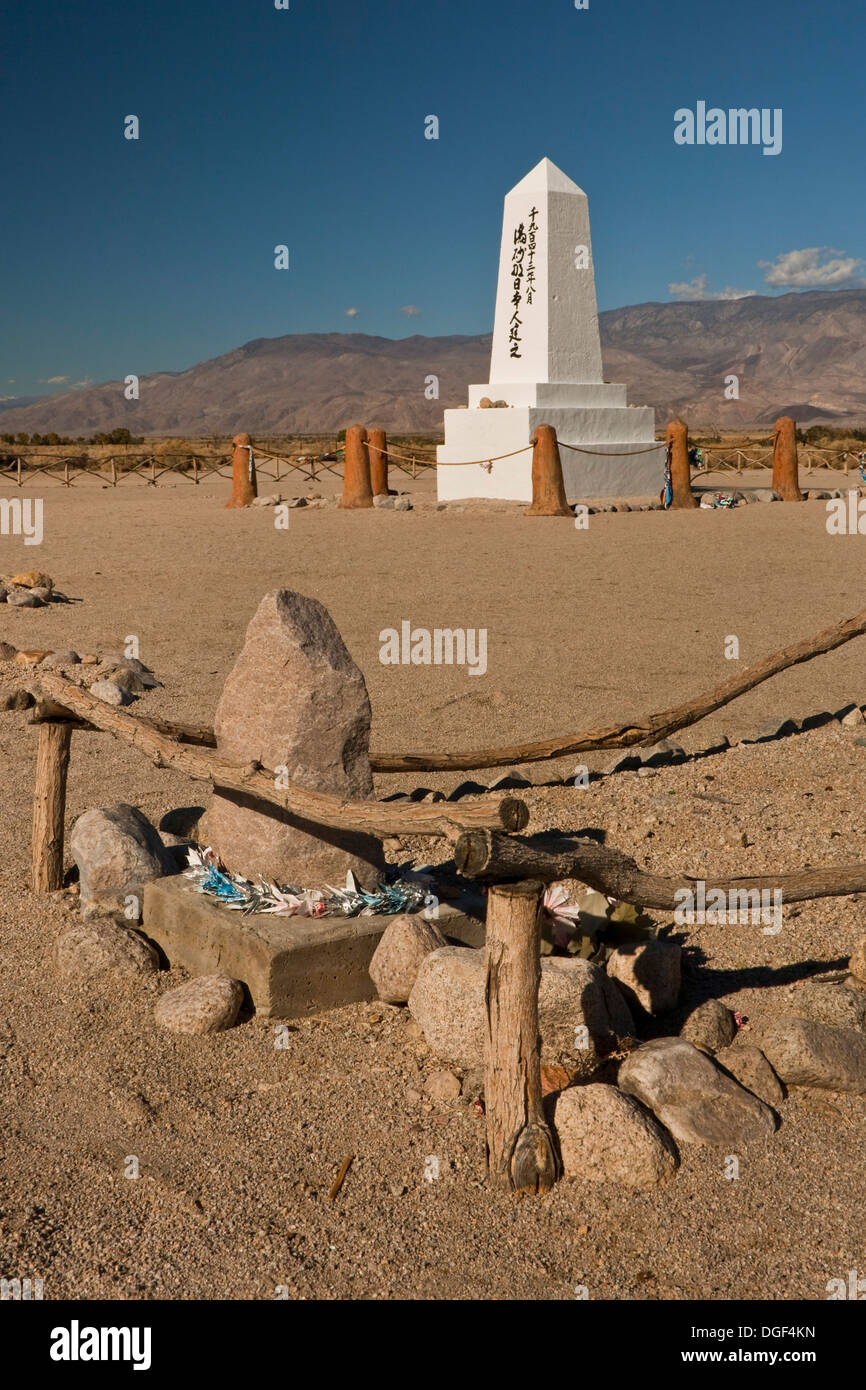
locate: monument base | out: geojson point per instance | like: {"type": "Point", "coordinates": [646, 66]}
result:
{"type": "Point", "coordinates": [597, 419]}
{"type": "Point", "coordinates": [292, 966]}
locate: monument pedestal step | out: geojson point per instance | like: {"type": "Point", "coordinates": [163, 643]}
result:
{"type": "Point", "coordinates": [292, 966]}
{"type": "Point", "coordinates": [625, 460]}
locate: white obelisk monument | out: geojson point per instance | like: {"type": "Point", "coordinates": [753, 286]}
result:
{"type": "Point", "coordinates": [545, 367]}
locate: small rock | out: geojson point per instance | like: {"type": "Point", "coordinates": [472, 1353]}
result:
{"type": "Point", "coordinates": [43, 594]}
{"type": "Point", "coordinates": [127, 680]}
{"type": "Point", "coordinates": [803, 1052]}
{"type": "Point", "coordinates": [442, 1086]}
{"type": "Point", "coordinates": [3, 593]}
{"type": "Point", "coordinates": [402, 504]}
{"type": "Point", "coordinates": [207, 1004]}
{"type": "Point", "coordinates": [648, 973]}
{"type": "Point", "coordinates": [691, 1096]}
{"type": "Point", "coordinates": [131, 663]}
{"type": "Point", "coordinates": [766, 494]}
{"type": "Point", "coordinates": [57, 659]}
{"type": "Point", "coordinates": [663, 754]}
{"type": "Point", "coordinates": [110, 693]}
{"type": "Point", "coordinates": [23, 598]}
{"type": "Point", "coordinates": [32, 579]}
{"type": "Point", "coordinates": [749, 1066]}
{"type": "Point", "coordinates": [854, 718]}
{"type": "Point", "coordinates": [404, 944]}
{"type": "Point", "coordinates": [472, 1086]}
{"type": "Point", "coordinates": [30, 658]}
{"type": "Point", "coordinates": [382, 500]}
{"type": "Point", "coordinates": [710, 1027]}
{"type": "Point", "coordinates": [117, 851]}
{"type": "Point", "coordinates": [99, 946]}
{"type": "Point", "coordinates": [605, 1136]}
{"type": "Point", "coordinates": [7, 651]}
{"type": "Point", "coordinates": [647, 772]}
{"type": "Point", "coordinates": [90, 660]}
{"type": "Point", "coordinates": [16, 700]}
{"type": "Point", "coordinates": [828, 1003]}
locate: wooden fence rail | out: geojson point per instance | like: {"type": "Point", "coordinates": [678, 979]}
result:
{"type": "Point", "coordinates": [67, 704]}
{"type": "Point", "coordinates": [193, 468]}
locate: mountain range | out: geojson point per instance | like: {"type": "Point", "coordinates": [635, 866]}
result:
{"type": "Point", "coordinates": [801, 354]}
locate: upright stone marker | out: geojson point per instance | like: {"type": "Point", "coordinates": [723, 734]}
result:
{"type": "Point", "coordinates": [294, 699]}
{"type": "Point", "coordinates": [546, 364]}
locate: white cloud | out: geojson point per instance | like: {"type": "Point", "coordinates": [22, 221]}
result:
{"type": "Point", "coordinates": [351, 313]}
{"type": "Point", "coordinates": [54, 380]}
{"type": "Point", "coordinates": [698, 288]}
{"type": "Point", "coordinates": [815, 267]}
{"type": "Point", "coordinates": [411, 311]}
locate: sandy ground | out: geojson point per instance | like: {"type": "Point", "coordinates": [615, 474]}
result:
{"type": "Point", "coordinates": [238, 1142]}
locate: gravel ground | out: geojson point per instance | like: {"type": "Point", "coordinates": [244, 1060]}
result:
{"type": "Point", "coordinates": [238, 1142]}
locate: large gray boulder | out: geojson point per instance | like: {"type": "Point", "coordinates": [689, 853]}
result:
{"type": "Point", "coordinates": [580, 1017]}
{"type": "Point", "coordinates": [117, 851]}
{"type": "Point", "coordinates": [691, 1097]}
{"type": "Point", "coordinates": [605, 1136]}
{"type": "Point", "coordinates": [804, 1052]}
{"type": "Point", "coordinates": [294, 699]}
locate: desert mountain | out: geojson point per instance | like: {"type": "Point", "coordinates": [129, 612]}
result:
{"type": "Point", "coordinates": [798, 354]}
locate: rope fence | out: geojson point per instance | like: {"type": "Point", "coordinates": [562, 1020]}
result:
{"type": "Point", "coordinates": [196, 467]}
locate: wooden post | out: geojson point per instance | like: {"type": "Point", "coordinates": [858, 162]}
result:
{"type": "Point", "coordinates": [377, 448]}
{"type": "Point", "coordinates": [681, 479]}
{"type": "Point", "coordinates": [243, 473]}
{"type": "Point", "coordinates": [548, 488]}
{"type": "Point", "coordinates": [49, 806]}
{"type": "Point", "coordinates": [195, 469]}
{"type": "Point", "coordinates": [18, 462]}
{"type": "Point", "coordinates": [357, 491]}
{"type": "Point", "coordinates": [786, 477]}
{"type": "Point", "coordinates": [520, 1149]}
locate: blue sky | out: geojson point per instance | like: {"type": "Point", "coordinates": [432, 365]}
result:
{"type": "Point", "coordinates": [305, 127]}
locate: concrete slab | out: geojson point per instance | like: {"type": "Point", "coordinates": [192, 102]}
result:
{"type": "Point", "coordinates": [292, 966]}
